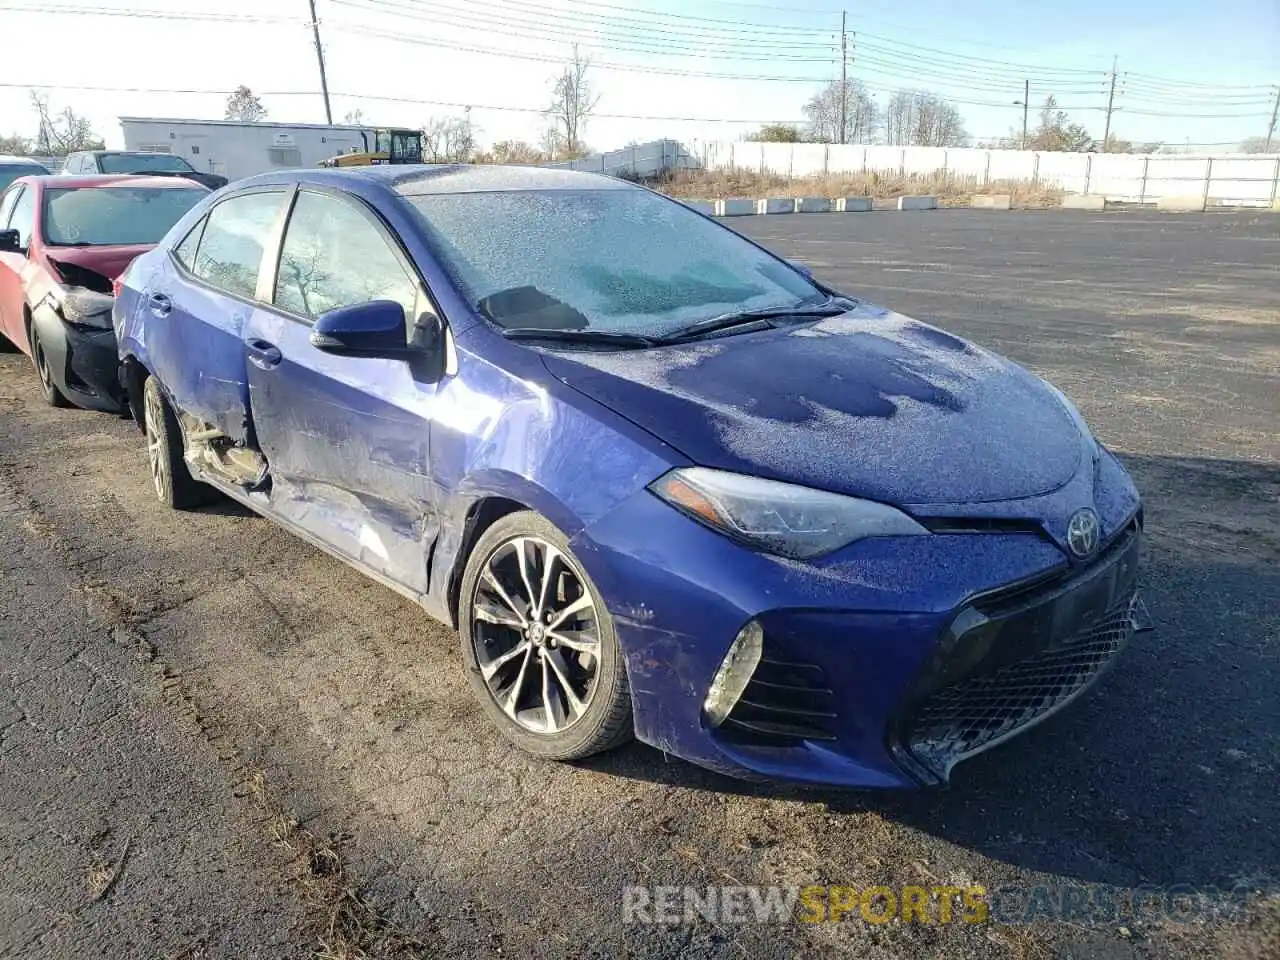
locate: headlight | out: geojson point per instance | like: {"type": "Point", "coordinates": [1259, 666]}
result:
{"type": "Point", "coordinates": [85, 308]}
{"type": "Point", "coordinates": [780, 518]}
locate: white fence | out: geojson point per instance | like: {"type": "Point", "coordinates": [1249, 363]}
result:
{"type": "Point", "coordinates": [1234, 179]}
{"type": "Point", "coordinates": [1244, 179]}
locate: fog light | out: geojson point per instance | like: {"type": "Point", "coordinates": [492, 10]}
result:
{"type": "Point", "coordinates": [734, 673]}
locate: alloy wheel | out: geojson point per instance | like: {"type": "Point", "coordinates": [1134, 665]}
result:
{"type": "Point", "coordinates": [536, 635]}
{"type": "Point", "coordinates": [153, 421]}
{"type": "Point", "coordinates": [42, 364]}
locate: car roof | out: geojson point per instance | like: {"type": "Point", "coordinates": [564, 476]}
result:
{"type": "Point", "coordinates": [25, 161]}
{"type": "Point", "coordinates": [117, 180]}
{"type": "Point", "coordinates": [412, 180]}
{"type": "Point", "coordinates": [124, 153]}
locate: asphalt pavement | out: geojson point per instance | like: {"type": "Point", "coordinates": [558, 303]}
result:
{"type": "Point", "coordinates": [249, 676]}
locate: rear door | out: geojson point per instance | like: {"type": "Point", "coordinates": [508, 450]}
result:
{"type": "Point", "coordinates": [198, 301]}
{"type": "Point", "coordinates": [346, 437]}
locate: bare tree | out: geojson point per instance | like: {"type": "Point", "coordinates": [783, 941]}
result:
{"type": "Point", "coordinates": [1056, 132]}
{"type": "Point", "coordinates": [15, 145]}
{"type": "Point", "coordinates": [861, 115]}
{"type": "Point", "coordinates": [512, 151]}
{"type": "Point", "coordinates": [448, 140]}
{"type": "Point", "coordinates": [1254, 145]}
{"type": "Point", "coordinates": [572, 103]}
{"type": "Point", "coordinates": [354, 117]}
{"type": "Point", "coordinates": [244, 106]}
{"type": "Point", "coordinates": [776, 133]}
{"type": "Point", "coordinates": [63, 134]}
{"type": "Point", "coordinates": [922, 119]}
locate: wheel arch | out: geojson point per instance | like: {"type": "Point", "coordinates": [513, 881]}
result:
{"type": "Point", "coordinates": [133, 377]}
{"type": "Point", "coordinates": [481, 515]}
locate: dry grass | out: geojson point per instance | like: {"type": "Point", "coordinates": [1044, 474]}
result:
{"type": "Point", "coordinates": [352, 928]}
{"type": "Point", "coordinates": [719, 184]}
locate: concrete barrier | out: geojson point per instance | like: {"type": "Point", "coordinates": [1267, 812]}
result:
{"type": "Point", "coordinates": [776, 205]}
{"type": "Point", "coordinates": [992, 201]}
{"type": "Point", "coordinates": [735, 207]}
{"type": "Point", "coordinates": [1184, 203]}
{"type": "Point", "coordinates": [851, 204]}
{"type": "Point", "coordinates": [917, 203]}
{"type": "Point", "coordinates": [813, 205]}
{"type": "Point", "coordinates": [1084, 201]}
{"type": "Point", "coordinates": [702, 206]}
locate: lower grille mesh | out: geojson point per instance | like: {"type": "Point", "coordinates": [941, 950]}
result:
{"type": "Point", "coordinates": [971, 713]}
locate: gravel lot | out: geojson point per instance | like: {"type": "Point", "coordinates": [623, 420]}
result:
{"type": "Point", "coordinates": [216, 741]}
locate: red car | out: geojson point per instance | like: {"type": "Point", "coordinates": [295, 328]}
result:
{"type": "Point", "coordinates": [63, 242]}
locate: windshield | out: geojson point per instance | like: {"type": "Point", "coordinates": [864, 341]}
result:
{"type": "Point", "coordinates": [106, 216]}
{"type": "Point", "coordinates": [620, 261]}
{"type": "Point", "coordinates": [10, 172]}
{"type": "Point", "coordinates": [142, 162]}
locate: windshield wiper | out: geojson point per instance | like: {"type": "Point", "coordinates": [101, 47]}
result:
{"type": "Point", "coordinates": [603, 337]}
{"type": "Point", "coordinates": [828, 308]}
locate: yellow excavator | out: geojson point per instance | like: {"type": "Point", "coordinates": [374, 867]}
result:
{"type": "Point", "coordinates": [390, 145]}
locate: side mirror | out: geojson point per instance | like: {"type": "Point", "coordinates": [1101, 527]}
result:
{"type": "Point", "coordinates": [801, 268]}
{"type": "Point", "coordinates": [373, 329]}
{"type": "Point", "coordinates": [10, 241]}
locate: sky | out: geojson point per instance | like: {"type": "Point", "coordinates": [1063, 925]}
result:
{"type": "Point", "coordinates": [1187, 72]}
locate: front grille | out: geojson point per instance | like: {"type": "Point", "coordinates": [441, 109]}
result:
{"type": "Point", "coordinates": [986, 707]}
{"type": "Point", "coordinates": [786, 702]}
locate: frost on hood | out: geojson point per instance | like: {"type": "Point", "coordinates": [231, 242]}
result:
{"type": "Point", "coordinates": [869, 402]}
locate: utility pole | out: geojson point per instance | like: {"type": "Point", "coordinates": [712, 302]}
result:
{"type": "Point", "coordinates": [1275, 112]}
{"type": "Point", "coordinates": [1026, 106]}
{"type": "Point", "coordinates": [324, 83]}
{"type": "Point", "coordinates": [1111, 99]}
{"type": "Point", "coordinates": [844, 74]}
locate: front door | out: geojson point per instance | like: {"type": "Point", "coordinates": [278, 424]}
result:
{"type": "Point", "coordinates": [17, 212]}
{"type": "Point", "coordinates": [346, 438]}
{"type": "Point", "coordinates": [199, 302]}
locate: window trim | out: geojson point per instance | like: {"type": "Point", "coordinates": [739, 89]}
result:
{"type": "Point", "coordinates": [37, 205]}
{"type": "Point", "coordinates": [284, 189]}
{"type": "Point", "coordinates": [16, 189]}
{"type": "Point", "coordinates": [380, 226]}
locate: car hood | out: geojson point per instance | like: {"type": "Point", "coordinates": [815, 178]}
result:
{"type": "Point", "coordinates": [869, 403]}
{"type": "Point", "coordinates": [108, 261]}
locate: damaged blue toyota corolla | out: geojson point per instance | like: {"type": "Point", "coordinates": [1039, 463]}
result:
{"type": "Point", "coordinates": [663, 483]}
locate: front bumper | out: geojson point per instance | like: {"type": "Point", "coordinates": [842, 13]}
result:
{"type": "Point", "coordinates": [1015, 657]}
{"type": "Point", "coordinates": [866, 651]}
{"type": "Point", "coordinates": [83, 362]}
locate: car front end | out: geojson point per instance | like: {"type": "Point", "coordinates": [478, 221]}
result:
{"type": "Point", "coordinates": [882, 663]}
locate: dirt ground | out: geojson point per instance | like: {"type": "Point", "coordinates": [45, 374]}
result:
{"type": "Point", "coordinates": [216, 741]}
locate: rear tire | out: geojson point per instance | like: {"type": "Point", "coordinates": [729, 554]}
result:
{"type": "Point", "coordinates": [549, 670]}
{"type": "Point", "coordinates": [174, 485]}
{"type": "Point", "coordinates": [52, 395]}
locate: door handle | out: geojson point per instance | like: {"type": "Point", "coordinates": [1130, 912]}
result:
{"type": "Point", "coordinates": [160, 304]}
{"type": "Point", "coordinates": [262, 354]}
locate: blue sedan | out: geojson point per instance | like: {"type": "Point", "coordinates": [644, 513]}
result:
{"type": "Point", "coordinates": [663, 483]}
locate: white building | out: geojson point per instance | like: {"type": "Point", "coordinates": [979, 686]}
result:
{"type": "Point", "coordinates": [235, 149]}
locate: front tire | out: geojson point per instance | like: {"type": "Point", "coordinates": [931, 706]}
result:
{"type": "Point", "coordinates": [540, 648]}
{"type": "Point", "coordinates": [174, 485]}
{"type": "Point", "coordinates": [52, 395]}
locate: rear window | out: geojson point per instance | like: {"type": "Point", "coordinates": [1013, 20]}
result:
{"type": "Point", "coordinates": [10, 172]}
{"type": "Point", "coordinates": [142, 163]}
{"type": "Point", "coordinates": [107, 216]}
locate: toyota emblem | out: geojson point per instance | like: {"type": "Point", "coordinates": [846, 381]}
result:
{"type": "Point", "coordinates": [1082, 533]}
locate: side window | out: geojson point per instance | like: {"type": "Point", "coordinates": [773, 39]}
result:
{"type": "Point", "coordinates": [333, 256]}
{"type": "Point", "coordinates": [230, 251]}
{"type": "Point", "coordinates": [23, 218]}
{"type": "Point", "coordinates": [186, 250]}
{"type": "Point", "coordinates": [7, 203]}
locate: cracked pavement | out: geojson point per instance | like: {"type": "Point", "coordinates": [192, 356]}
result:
{"type": "Point", "coordinates": [151, 659]}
